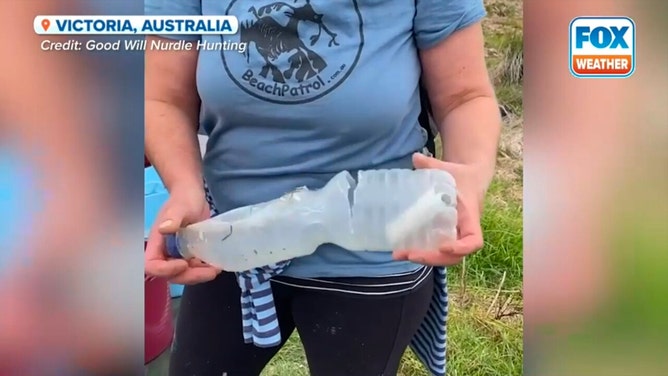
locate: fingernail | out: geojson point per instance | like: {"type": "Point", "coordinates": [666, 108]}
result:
{"type": "Point", "coordinates": [166, 223]}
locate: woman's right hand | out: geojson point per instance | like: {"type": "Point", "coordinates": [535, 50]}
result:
{"type": "Point", "coordinates": [183, 207]}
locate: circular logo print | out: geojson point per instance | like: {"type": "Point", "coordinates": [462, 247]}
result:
{"type": "Point", "coordinates": [296, 51]}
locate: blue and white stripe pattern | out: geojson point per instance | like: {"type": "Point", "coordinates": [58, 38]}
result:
{"type": "Point", "coordinates": [429, 342]}
{"type": "Point", "coordinates": [258, 313]}
{"type": "Point", "coordinates": [260, 323]}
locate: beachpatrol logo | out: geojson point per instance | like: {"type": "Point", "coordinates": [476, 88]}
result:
{"type": "Point", "coordinates": [298, 51]}
{"type": "Point", "coordinates": [602, 47]}
{"type": "Point", "coordinates": [135, 25]}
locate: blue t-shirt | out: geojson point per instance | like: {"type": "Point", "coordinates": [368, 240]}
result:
{"type": "Point", "coordinates": [323, 86]}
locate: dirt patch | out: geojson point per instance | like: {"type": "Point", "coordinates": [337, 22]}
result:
{"type": "Point", "coordinates": [510, 166]}
{"type": "Point", "coordinates": [503, 16]}
{"type": "Point", "coordinates": [504, 51]}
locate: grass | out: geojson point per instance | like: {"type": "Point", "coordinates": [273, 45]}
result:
{"type": "Point", "coordinates": [504, 51]}
{"type": "Point", "coordinates": [485, 321]}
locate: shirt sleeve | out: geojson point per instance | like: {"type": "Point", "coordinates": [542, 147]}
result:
{"type": "Point", "coordinates": [174, 8]}
{"type": "Point", "coordinates": [435, 20]}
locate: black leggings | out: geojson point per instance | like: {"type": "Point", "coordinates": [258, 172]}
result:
{"type": "Point", "coordinates": [343, 334]}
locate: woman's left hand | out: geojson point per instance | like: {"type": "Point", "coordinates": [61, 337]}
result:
{"type": "Point", "coordinates": [469, 205]}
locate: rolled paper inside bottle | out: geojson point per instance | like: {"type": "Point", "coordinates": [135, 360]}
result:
{"type": "Point", "coordinates": [414, 220]}
{"type": "Point", "coordinates": [172, 247]}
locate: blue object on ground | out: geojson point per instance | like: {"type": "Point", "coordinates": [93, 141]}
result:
{"type": "Point", "coordinates": [155, 195]}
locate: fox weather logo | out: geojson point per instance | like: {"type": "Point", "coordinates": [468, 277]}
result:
{"type": "Point", "coordinates": [603, 47]}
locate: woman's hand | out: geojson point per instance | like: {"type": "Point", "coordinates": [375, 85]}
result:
{"type": "Point", "coordinates": [469, 207]}
{"type": "Point", "coordinates": [181, 209]}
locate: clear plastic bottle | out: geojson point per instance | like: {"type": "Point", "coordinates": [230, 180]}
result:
{"type": "Point", "coordinates": [381, 210]}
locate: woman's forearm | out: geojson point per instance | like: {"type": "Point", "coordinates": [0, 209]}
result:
{"type": "Point", "coordinates": [172, 146]}
{"type": "Point", "coordinates": [470, 135]}
{"type": "Point", "coordinates": [464, 104]}
{"type": "Point", "coordinates": [172, 108]}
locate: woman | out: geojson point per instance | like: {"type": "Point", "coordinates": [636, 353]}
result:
{"type": "Point", "coordinates": [318, 89]}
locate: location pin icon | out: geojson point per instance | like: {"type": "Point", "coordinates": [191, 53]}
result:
{"type": "Point", "coordinates": [45, 24]}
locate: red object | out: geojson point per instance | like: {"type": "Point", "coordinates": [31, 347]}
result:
{"type": "Point", "coordinates": [158, 323]}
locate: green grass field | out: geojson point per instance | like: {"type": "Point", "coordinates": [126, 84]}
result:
{"type": "Point", "coordinates": [485, 323]}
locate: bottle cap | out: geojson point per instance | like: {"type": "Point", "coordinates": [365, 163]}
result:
{"type": "Point", "coordinates": [171, 246]}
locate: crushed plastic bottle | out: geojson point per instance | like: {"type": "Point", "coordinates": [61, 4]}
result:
{"type": "Point", "coordinates": [382, 210]}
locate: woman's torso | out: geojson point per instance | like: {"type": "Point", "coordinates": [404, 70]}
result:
{"type": "Point", "coordinates": [324, 87]}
